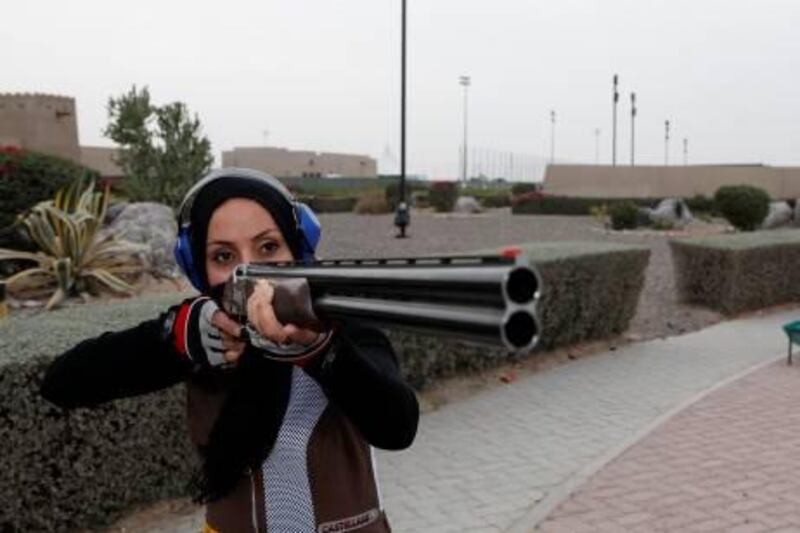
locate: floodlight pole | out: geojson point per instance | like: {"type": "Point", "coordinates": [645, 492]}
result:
{"type": "Point", "coordinates": [465, 82]}
{"type": "Point", "coordinates": [685, 151]}
{"type": "Point", "coordinates": [552, 136]}
{"type": "Point", "coordinates": [633, 128]}
{"type": "Point", "coordinates": [666, 143]}
{"type": "Point", "coordinates": [614, 123]}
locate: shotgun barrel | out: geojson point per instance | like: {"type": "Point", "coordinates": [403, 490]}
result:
{"type": "Point", "coordinates": [489, 299]}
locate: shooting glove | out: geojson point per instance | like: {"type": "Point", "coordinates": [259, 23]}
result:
{"type": "Point", "coordinates": [192, 333]}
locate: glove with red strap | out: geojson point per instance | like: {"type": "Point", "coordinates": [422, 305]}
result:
{"type": "Point", "coordinates": [197, 331]}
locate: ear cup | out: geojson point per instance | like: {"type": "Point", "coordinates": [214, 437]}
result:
{"type": "Point", "coordinates": [310, 230]}
{"type": "Point", "coordinates": [184, 259]}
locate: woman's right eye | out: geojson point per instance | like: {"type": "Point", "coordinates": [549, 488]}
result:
{"type": "Point", "coordinates": [222, 257]}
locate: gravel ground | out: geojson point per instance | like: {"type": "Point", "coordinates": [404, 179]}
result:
{"type": "Point", "coordinates": [659, 313]}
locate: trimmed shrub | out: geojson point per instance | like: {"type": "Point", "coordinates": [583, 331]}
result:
{"type": "Point", "coordinates": [372, 204]}
{"type": "Point", "coordinates": [392, 192]}
{"type": "Point", "coordinates": [590, 291]}
{"type": "Point", "coordinates": [66, 470]}
{"type": "Point", "coordinates": [700, 203]}
{"type": "Point", "coordinates": [443, 195]}
{"type": "Point", "coordinates": [735, 273]}
{"type": "Point", "coordinates": [624, 215]}
{"type": "Point", "coordinates": [330, 204]}
{"type": "Point", "coordinates": [495, 200]}
{"type": "Point", "coordinates": [744, 206]}
{"type": "Point", "coordinates": [538, 204]}
{"type": "Point", "coordinates": [27, 178]}
{"type": "Point", "coordinates": [489, 196]}
{"type": "Point", "coordinates": [525, 187]}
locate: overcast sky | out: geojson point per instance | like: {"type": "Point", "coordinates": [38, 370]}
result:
{"type": "Point", "coordinates": [325, 74]}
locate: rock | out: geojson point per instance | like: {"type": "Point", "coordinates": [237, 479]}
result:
{"type": "Point", "coordinates": [795, 205]}
{"type": "Point", "coordinates": [671, 211]}
{"type": "Point", "coordinates": [151, 224]}
{"type": "Point", "coordinates": [780, 215]}
{"type": "Point", "coordinates": [467, 204]}
{"type": "Point", "coordinates": [113, 211]}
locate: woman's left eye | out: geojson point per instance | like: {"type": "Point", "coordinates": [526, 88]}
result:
{"type": "Point", "coordinates": [268, 247]}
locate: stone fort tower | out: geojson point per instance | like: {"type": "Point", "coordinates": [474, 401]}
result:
{"type": "Point", "coordinates": [41, 122]}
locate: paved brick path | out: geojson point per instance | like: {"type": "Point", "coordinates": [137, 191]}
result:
{"type": "Point", "coordinates": [498, 460]}
{"type": "Point", "coordinates": [730, 462]}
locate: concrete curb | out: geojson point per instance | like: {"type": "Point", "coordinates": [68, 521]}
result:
{"type": "Point", "coordinates": [531, 520]}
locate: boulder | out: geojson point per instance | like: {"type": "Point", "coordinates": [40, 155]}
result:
{"type": "Point", "coordinates": [780, 214]}
{"type": "Point", "coordinates": [671, 210]}
{"type": "Point", "coordinates": [151, 224]}
{"type": "Point", "coordinates": [468, 205]}
{"type": "Point", "coordinates": [795, 205]}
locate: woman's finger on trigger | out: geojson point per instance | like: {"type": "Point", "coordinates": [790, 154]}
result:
{"type": "Point", "coordinates": [226, 324]}
{"type": "Point", "coordinates": [265, 290]}
{"type": "Point", "coordinates": [267, 323]}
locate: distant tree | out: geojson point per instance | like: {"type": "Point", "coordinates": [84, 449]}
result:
{"type": "Point", "coordinates": [162, 149]}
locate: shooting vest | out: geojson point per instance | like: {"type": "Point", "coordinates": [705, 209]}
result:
{"type": "Point", "coordinates": [320, 476]}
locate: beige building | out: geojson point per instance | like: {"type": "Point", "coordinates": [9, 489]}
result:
{"type": "Point", "coordinates": [49, 124]}
{"type": "Point", "coordinates": [41, 122]}
{"type": "Point", "coordinates": [289, 163]}
{"type": "Point", "coordinates": [597, 181]}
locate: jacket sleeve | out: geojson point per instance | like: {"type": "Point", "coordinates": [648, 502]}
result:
{"type": "Point", "coordinates": [115, 365]}
{"type": "Point", "coordinates": [360, 375]}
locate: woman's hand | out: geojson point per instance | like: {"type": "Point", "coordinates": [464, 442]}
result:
{"type": "Point", "coordinates": [261, 315]}
{"type": "Point", "coordinates": [230, 331]}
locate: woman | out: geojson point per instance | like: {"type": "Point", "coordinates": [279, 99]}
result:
{"type": "Point", "coordinates": [285, 446]}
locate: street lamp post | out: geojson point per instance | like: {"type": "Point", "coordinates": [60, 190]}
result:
{"type": "Point", "coordinates": [402, 216]}
{"type": "Point", "coordinates": [597, 146]}
{"type": "Point", "coordinates": [552, 136]}
{"type": "Point", "coordinates": [685, 151]}
{"type": "Point", "coordinates": [614, 123]}
{"type": "Point", "coordinates": [633, 128]}
{"type": "Point", "coordinates": [666, 143]}
{"type": "Point", "coordinates": [465, 82]}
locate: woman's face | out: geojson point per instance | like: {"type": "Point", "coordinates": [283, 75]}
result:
{"type": "Point", "coordinates": [241, 231]}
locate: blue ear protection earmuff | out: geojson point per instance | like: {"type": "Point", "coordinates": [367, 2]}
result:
{"type": "Point", "coordinates": [306, 222]}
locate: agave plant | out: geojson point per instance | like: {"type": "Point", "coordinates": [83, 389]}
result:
{"type": "Point", "coordinates": [73, 256]}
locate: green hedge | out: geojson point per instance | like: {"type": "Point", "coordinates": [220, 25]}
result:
{"type": "Point", "coordinates": [330, 204]}
{"type": "Point", "coordinates": [495, 200]}
{"type": "Point", "coordinates": [442, 195]}
{"type": "Point", "coordinates": [74, 469]}
{"type": "Point", "coordinates": [591, 291]}
{"type": "Point", "coordinates": [568, 205]}
{"type": "Point", "coordinates": [744, 206]}
{"type": "Point", "coordinates": [27, 178]}
{"type": "Point", "coordinates": [738, 272]}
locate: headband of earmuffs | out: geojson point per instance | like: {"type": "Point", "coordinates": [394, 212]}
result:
{"type": "Point", "coordinates": [303, 220]}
